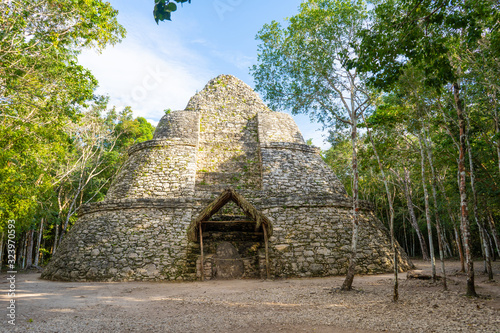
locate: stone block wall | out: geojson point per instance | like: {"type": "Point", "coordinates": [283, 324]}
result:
{"type": "Point", "coordinates": [156, 168]}
{"type": "Point", "coordinates": [181, 125]}
{"type": "Point", "coordinates": [228, 141]}
{"type": "Point", "coordinates": [145, 239]}
{"type": "Point", "coordinates": [289, 166]}
{"type": "Point", "coordinates": [126, 245]}
{"type": "Point", "coordinates": [291, 169]}
{"type": "Point", "coordinates": [278, 127]}
{"type": "Point", "coordinates": [316, 241]}
{"type": "Point", "coordinates": [163, 167]}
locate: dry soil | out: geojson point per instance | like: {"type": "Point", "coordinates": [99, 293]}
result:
{"type": "Point", "coordinates": [293, 305]}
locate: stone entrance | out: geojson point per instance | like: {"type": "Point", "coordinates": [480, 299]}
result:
{"type": "Point", "coordinates": [232, 249]}
{"type": "Point", "coordinates": [233, 238]}
{"type": "Point", "coordinates": [228, 262]}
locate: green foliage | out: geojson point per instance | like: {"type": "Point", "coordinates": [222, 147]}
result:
{"type": "Point", "coordinates": [163, 9]}
{"type": "Point", "coordinates": [302, 66]}
{"type": "Point", "coordinates": [42, 89]}
{"type": "Point", "coordinates": [428, 34]}
{"type": "Point", "coordinates": [132, 130]}
{"type": "Point", "coordinates": [339, 157]}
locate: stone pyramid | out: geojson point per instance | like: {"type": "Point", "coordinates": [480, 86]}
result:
{"type": "Point", "coordinates": [225, 172]}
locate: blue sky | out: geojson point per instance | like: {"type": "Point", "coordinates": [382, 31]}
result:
{"type": "Point", "coordinates": [161, 66]}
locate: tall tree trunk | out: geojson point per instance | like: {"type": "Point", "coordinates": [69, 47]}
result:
{"type": "Point", "coordinates": [19, 251]}
{"type": "Point", "coordinates": [426, 204]}
{"type": "Point", "coordinates": [436, 212]}
{"type": "Point", "coordinates": [1, 251]}
{"type": "Point", "coordinates": [465, 225]}
{"type": "Point", "coordinates": [38, 242]}
{"type": "Point", "coordinates": [390, 199]}
{"type": "Point", "coordinates": [407, 245]}
{"type": "Point", "coordinates": [29, 249]}
{"type": "Point", "coordinates": [446, 243]}
{"type": "Point", "coordinates": [413, 218]}
{"type": "Point", "coordinates": [460, 249]}
{"type": "Point", "coordinates": [454, 223]}
{"type": "Point", "coordinates": [71, 210]}
{"type": "Point", "coordinates": [21, 258]}
{"type": "Point", "coordinates": [413, 243]}
{"type": "Point", "coordinates": [482, 229]}
{"type": "Point", "coordinates": [494, 231]}
{"type": "Point", "coordinates": [56, 238]}
{"type": "Point", "coordinates": [497, 130]}
{"type": "Point", "coordinates": [490, 244]}
{"type": "Point", "coordinates": [448, 253]}
{"type": "Point", "coordinates": [347, 285]}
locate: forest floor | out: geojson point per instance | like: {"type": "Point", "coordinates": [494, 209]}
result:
{"type": "Point", "coordinates": [292, 305]}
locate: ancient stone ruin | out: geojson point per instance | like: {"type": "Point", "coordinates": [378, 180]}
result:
{"type": "Point", "coordinates": [226, 189]}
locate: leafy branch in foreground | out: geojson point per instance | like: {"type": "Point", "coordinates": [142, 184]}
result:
{"type": "Point", "coordinates": [164, 8]}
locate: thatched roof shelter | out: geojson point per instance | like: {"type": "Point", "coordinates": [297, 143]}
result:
{"type": "Point", "coordinates": [213, 207]}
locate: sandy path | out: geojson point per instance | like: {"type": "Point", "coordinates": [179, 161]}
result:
{"type": "Point", "coordinates": [295, 305]}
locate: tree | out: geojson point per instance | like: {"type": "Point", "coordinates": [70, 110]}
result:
{"type": "Point", "coordinates": [42, 89]}
{"type": "Point", "coordinates": [99, 141]}
{"type": "Point", "coordinates": [390, 200]}
{"type": "Point", "coordinates": [303, 67]}
{"type": "Point", "coordinates": [431, 36]}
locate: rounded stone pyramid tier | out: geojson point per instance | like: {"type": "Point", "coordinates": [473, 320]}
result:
{"type": "Point", "coordinates": [225, 169]}
{"type": "Point", "coordinates": [226, 137]}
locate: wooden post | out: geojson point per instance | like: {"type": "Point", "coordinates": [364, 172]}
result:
{"type": "Point", "coordinates": [202, 261]}
{"type": "Point", "coordinates": [264, 228]}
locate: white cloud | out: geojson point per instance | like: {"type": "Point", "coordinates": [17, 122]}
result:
{"type": "Point", "coordinates": [149, 83]}
{"type": "Point", "coordinates": [153, 122]}
{"type": "Point", "coordinates": [151, 70]}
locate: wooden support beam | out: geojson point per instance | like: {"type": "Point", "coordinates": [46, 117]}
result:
{"type": "Point", "coordinates": [267, 249]}
{"type": "Point", "coordinates": [202, 269]}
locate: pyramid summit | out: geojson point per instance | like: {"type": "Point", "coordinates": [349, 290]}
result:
{"type": "Point", "coordinates": [226, 188]}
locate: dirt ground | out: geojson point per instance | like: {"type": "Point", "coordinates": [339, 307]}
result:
{"type": "Point", "coordinates": [294, 305]}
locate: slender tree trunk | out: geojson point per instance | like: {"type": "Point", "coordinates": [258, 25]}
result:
{"type": "Point", "coordinates": [494, 231]}
{"type": "Point", "coordinates": [413, 218]}
{"type": "Point", "coordinates": [460, 249]}
{"type": "Point", "coordinates": [38, 242]}
{"type": "Point", "coordinates": [72, 209]}
{"type": "Point", "coordinates": [483, 254]}
{"type": "Point", "coordinates": [407, 245]}
{"type": "Point", "coordinates": [444, 235]}
{"type": "Point", "coordinates": [347, 285]}
{"type": "Point", "coordinates": [19, 251]}
{"type": "Point", "coordinates": [436, 212]}
{"type": "Point", "coordinates": [394, 244]}
{"type": "Point", "coordinates": [454, 223]}
{"type": "Point", "coordinates": [482, 229]}
{"type": "Point", "coordinates": [1, 251]}
{"type": "Point", "coordinates": [21, 260]}
{"type": "Point", "coordinates": [29, 249]}
{"type": "Point", "coordinates": [56, 238]}
{"type": "Point", "coordinates": [465, 225]}
{"type": "Point", "coordinates": [427, 211]}
{"type": "Point", "coordinates": [413, 243]}
{"type": "Point", "coordinates": [490, 244]}
{"type": "Point", "coordinates": [446, 244]}
{"type": "Point", "coordinates": [497, 130]}
{"type": "Point", "coordinates": [390, 199]}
